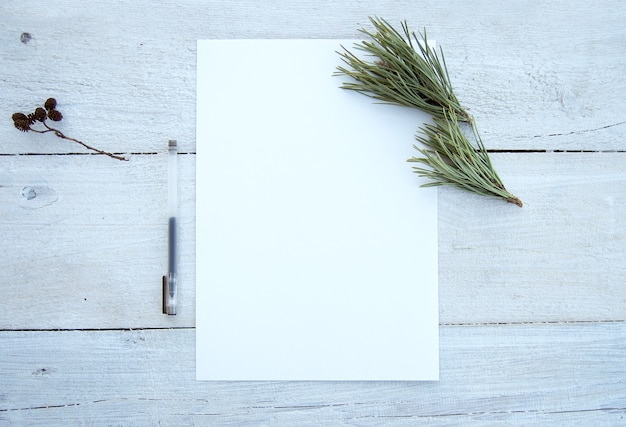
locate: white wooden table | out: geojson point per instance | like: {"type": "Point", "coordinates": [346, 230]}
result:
{"type": "Point", "coordinates": [532, 300]}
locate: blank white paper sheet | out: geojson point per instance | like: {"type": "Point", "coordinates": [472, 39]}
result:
{"type": "Point", "coordinates": [316, 249]}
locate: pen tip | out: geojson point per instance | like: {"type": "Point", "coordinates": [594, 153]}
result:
{"type": "Point", "coordinates": [172, 143]}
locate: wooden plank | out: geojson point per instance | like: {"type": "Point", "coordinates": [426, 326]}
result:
{"type": "Point", "coordinates": [562, 257]}
{"type": "Point", "coordinates": [89, 249]}
{"type": "Point", "coordinates": [91, 253]}
{"type": "Point", "coordinates": [125, 76]}
{"type": "Point", "coordinates": [567, 374]}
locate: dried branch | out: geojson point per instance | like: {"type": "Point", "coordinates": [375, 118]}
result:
{"type": "Point", "coordinates": [25, 122]}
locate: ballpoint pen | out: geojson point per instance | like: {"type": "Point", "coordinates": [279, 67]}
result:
{"type": "Point", "coordinates": [169, 281]}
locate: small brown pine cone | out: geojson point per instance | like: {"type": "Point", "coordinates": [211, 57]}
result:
{"type": "Point", "coordinates": [55, 115]}
{"type": "Point", "coordinates": [40, 114]}
{"type": "Point", "coordinates": [19, 116]}
{"type": "Point", "coordinates": [22, 124]}
{"type": "Point", "coordinates": [50, 104]}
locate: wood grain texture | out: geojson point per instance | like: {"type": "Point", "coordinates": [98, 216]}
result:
{"type": "Point", "coordinates": [532, 300]}
{"type": "Point", "coordinates": [495, 375]}
{"type": "Point", "coordinates": [93, 257]}
{"type": "Point", "coordinates": [536, 76]}
{"type": "Point", "coordinates": [560, 258]}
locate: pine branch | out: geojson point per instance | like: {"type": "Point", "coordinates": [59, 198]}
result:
{"type": "Point", "coordinates": [451, 159]}
{"type": "Point", "coordinates": [408, 72]}
{"type": "Point", "coordinates": [403, 74]}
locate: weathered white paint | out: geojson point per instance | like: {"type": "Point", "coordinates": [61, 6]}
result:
{"type": "Point", "coordinates": [93, 258]}
{"type": "Point", "coordinates": [543, 75]}
{"type": "Point", "coordinates": [562, 257]}
{"type": "Point", "coordinates": [491, 375]}
{"type": "Point", "coordinates": [88, 250]}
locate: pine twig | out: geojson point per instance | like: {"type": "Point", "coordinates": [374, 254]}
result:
{"type": "Point", "coordinates": [408, 72]}
{"type": "Point", "coordinates": [451, 159]}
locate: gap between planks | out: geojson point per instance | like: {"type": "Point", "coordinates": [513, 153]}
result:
{"type": "Point", "coordinates": [444, 325]}
{"type": "Point", "coordinates": [147, 153]}
{"type": "Point", "coordinates": [153, 153]}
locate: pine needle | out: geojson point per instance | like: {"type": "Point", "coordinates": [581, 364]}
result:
{"type": "Point", "coordinates": [451, 159]}
{"type": "Point", "coordinates": [408, 72]}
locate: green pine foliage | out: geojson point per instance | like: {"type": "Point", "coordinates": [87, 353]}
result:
{"type": "Point", "coordinates": [406, 71]}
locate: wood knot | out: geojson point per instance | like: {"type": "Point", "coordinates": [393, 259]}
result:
{"type": "Point", "coordinates": [29, 193]}
{"type": "Point", "coordinates": [37, 196]}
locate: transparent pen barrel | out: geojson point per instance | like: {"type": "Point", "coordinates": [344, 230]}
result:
{"type": "Point", "coordinates": [172, 180]}
{"type": "Point", "coordinates": [170, 281]}
{"type": "Point", "coordinates": [172, 201]}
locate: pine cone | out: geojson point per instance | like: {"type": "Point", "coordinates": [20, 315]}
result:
{"type": "Point", "coordinates": [22, 124]}
{"type": "Point", "coordinates": [55, 115]}
{"type": "Point", "coordinates": [40, 114]}
{"type": "Point", "coordinates": [19, 116]}
{"type": "Point", "coordinates": [50, 104]}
